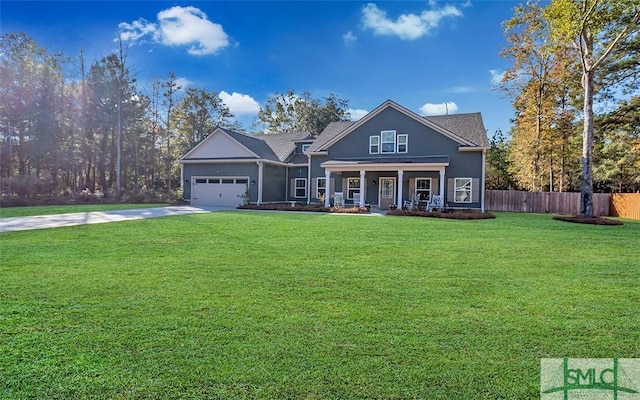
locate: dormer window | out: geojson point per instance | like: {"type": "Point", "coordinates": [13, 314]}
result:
{"type": "Point", "coordinates": [305, 147]}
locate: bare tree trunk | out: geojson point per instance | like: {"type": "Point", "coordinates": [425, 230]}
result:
{"type": "Point", "coordinates": [586, 180]}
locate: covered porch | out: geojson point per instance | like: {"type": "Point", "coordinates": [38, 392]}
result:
{"type": "Point", "coordinates": [383, 183]}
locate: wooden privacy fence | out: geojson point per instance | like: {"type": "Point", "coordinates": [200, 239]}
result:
{"type": "Point", "coordinates": [625, 205]}
{"type": "Point", "coordinates": [543, 202]}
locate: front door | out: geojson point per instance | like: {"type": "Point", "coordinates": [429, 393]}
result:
{"type": "Point", "coordinates": [387, 192]}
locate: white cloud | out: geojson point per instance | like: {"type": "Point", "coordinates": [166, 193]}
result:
{"type": "Point", "coordinates": [407, 26]}
{"type": "Point", "coordinates": [349, 38]}
{"type": "Point", "coordinates": [357, 113]}
{"type": "Point", "coordinates": [179, 26]}
{"type": "Point", "coordinates": [239, 103]}
{"type": "Point", "coordinates": [496, 76]}
{"type": "Point", "coordinates": [439, 108]}
{"type": "Point", "coordinates": [136, 30]}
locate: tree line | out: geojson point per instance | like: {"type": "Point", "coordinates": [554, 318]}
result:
{"type": "Point", "coordinates": [95, 132]}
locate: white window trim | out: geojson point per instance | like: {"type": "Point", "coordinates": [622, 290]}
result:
{"type": "Point", "coordinates": [430, 186]}
{"type": "Point", "coordinates": [296, 187]}
{"type": "Point", "coordinates": [371, 144]}
{"type": "Point", "coordinates": [352, 189]}
{"type": "Point", "coordinates": [318, 186]}
{"type": "Point", "coordinates": [406, 143]}
{"type": "Point", "coordinates": [305, 147]}
{"type": "Point", "coordinates": [382, 142]}
{"type": "Point", "coordinates": [455, 190]}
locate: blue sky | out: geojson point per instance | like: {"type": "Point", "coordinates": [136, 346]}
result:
{"type": "Point", "coordinates": [422, 54]}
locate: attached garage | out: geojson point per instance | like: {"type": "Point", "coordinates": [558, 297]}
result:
{"type": "Point", "coordinates": [218, 191]}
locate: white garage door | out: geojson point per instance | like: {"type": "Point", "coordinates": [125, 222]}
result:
{"type": "Point", "coordinates": [213, 191]}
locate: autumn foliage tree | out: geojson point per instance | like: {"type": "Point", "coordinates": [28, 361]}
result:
{"type": "Point", "coordinates": [541, 87]}
{"type": "Point", "coordinates": [598, 31]}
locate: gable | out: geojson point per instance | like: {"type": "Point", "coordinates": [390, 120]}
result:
{"type": "Point", "coordinates": [419, 139]}
{"type": "Point", "coordinates": [403, 113]}
{"type": "Point", "coordinates": [219, 145]}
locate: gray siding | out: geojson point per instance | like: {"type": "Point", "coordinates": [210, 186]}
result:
{"type": "Point", "coordinates": [274, 186]}
{"type": "Point", "coordinates": [423, 141]}
{"type": "Point", "coordinates": [297, 172]}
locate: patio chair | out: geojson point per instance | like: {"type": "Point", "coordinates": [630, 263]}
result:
{"type": "Point", "coordinates": [356, 199]}
{"type": "Point", "coordinates": [338, 199]}
{"type": "Point", "coordinates": [435, 203]}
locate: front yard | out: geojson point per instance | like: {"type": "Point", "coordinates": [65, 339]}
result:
{"type": "Point", "coordinates": [285, 305]}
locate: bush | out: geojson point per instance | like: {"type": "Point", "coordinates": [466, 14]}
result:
{"type": "Point", "coordinates": [450, 214]}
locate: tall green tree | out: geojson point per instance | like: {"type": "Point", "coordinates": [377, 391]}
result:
{"type": "Point", "coordinates": [196, 115]}
{"type": "Point", "coordinates": [498, 175]}
{"type": "Point", "coordinates": [617, 148]}
{"type": "Point", "coordinates": [290, 112]}
{"type": "Point", "coordinates": [597, 30]}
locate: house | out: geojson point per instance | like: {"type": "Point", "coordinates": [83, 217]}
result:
{"type": "Point", "coordinates": [390, 155]}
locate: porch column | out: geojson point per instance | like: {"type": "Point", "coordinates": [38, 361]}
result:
{"type": "Point", "coordinates": [362, 189]}
{"type": "Point", "coordinates": [400, 175]}
{"type": "Point", "coordinates": [484, 152]}
{"type": "Point", "coordinates": [260, 173]}
{"type": "Point", "coordinates": [442, 185]}
{"type": "Point", "coordinates": [327, 187]}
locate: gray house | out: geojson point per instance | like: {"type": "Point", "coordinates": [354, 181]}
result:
{"type": "Point", "coordinates": [389, 156]}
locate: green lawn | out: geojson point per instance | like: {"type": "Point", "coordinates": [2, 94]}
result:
{"type": "Point", "coordinates": [284, 305]}
{"type": "Point", "coordinates": [50, 210]}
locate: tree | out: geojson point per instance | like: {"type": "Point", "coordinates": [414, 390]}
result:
{"type": "Point", "coordinates": [617, 148]}
{"type": "Point", "coordinates": [499, 177]}
{"type": "Point", "coordinates": [196, 115]}
{"type": "Point", "coordinates": [542, 91]}
{"type": "Point", "coordinates": [289, 112]}
{"type": "Point", "coordinates": [171, 87]}
{"type": "Point", "coordinates": [597, 30]}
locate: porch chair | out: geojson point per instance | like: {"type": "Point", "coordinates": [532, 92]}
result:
{"type": "Point", "coordinates": [413, 203]}
{"type": "Point", "coordinates": [435, 203]}
{"type": "Point", "coordinates": [356, 199]}
{"type": "Point", "coordinates": [338, 199]}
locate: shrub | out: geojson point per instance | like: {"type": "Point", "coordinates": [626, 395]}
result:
{"type": "Point", "coordinates": [450, 214]}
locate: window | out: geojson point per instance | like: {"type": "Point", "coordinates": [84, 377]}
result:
{"type": "Point", "coordinates": [353, 186]}
{"type": "Point", "coordinates": [403, 143]}
{"type": "Point", "coordinates": [305, 147]}
{"type": "Point", "coordinates": [388, 141]}
{"type": "Point", "coordinates": [423, 188]}
{"type": "Point", "coordinates": [374, 144]}
{"type": "Point", "coordinates": [301, 187]}
{"type": "Point", "coordinates": [321, 187]}
{"type": "Point", "coordinates": [199, 180]}
{"type": "Point", "coordinates": [463, 190]}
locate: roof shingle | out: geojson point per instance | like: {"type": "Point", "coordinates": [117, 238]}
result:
{"type": "Point", "coordinates": [468, 126]}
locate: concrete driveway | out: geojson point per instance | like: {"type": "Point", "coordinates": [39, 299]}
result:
{"type": "Point", "coordinates": [97, 217]}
